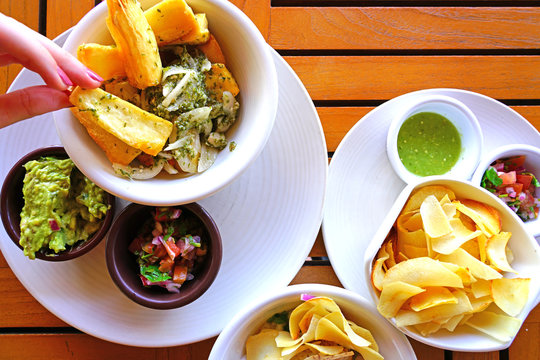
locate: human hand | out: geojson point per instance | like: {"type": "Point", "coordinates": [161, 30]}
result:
{"type": "Point", "coordinates": [59, 69]}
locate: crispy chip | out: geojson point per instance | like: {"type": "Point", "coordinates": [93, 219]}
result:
{"type": "Point", "coordinates": [417, 197]}
{"type": "Point", "coordinates": [496, 251]}
{"type": "Point", "coordinates": [434, 218]}
{"type": "Point", "coordinates": [510, 295]}
{"type": "Point", "coordinates": [501, 327]}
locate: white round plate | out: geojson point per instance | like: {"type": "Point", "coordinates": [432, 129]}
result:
{"type": "Point", "coordinates": [268, 218]}
{"type": "Point", "coordinates": [362, 185]}
{"type": "Point", "coordinates": [231, 343]}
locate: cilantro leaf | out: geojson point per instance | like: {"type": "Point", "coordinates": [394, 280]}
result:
{"type": "Point", "coordinates": [491, 177]}
{"type": "Point", "coordinates": [152, 273]}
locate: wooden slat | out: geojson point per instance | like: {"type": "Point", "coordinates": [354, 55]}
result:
{"type": "Point", "coordinates": [424, 351]}
{"type": "Point", "coordinates": [494, 355]}
{"type": "Point", "coordinates": [20, 11]}
{"type": "Point", "coordinates": [63, 14]}
{"type": "Point", "coordinates": [385, 77]}
{"type": "Point", "coordinates": [85, 347]}
{"type": "Point", "coordinates": [316, 274]}
{"type": "Point", "coordinates": [404, 28]}
{"type": "Point", "coordinates": [525, 345]}
{"type": "Point", "coordinates": [258, 12]}
{"type": "Point", "coordinates": [337, 121]}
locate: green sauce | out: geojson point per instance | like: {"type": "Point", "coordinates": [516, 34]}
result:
{"type": "Point", "coordinates": [428, 144]}
{"type": "Point", "coordinates": [62, 207]}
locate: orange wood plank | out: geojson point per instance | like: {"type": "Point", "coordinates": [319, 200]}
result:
{"type": "Point", "coordinates": [337, 121]}
{"type": "Point", "coordinates": [85, 347]}
{"type": "Point", "coordinates": [424, 351]}
{"type": "Point", "coordinates": [316, 274]}
{"type": "Point", "coordinates": [525, 345]}
{"type": "Point", "coordinates": [22, 11]}
{"type": "Point", "coordinates": [405, 28]}
{"type": "Point", "coordinates": [475, 356]}
{"type": "Point", "coordinates": [258, 11]}
{"type": "Point", "coordinates": [63, 14]}
{"type": "Point", "coordinates": [385, 77]}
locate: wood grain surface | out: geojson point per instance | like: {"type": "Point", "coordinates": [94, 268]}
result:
{"type": "Point", "coordinates": [351, 56]}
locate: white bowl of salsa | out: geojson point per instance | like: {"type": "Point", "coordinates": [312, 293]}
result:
{"type": "Point", "coordinates": [436, 135]}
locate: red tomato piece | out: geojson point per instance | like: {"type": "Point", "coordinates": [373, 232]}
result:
{"type": "Point", "coordinates": [525, 180]}
{"type": "Point", "coordinates": [166, 264]}
{"type": "Point", "coordinates": [508, 178]}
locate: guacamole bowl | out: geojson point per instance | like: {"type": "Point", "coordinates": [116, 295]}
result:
{"type": "Point", "coordinates": [164, 258]}
{"type": "Point", "coordinates": [434, 135]}
{"type": "Point", "coordinates": [12, 202]}
{"type": "Point", "coordinates": [249, 59]}
{"type": "Point", "coordinates": [472, 333]}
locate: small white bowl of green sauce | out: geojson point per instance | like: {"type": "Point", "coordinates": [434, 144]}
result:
{"type": "Point", "coordinates": [437, 135]}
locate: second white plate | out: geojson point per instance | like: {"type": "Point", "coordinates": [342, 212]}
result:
{"type": "Point", "coordinates": [362, 185]}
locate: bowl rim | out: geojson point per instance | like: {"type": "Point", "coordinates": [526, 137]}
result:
{"type": "Point", "coordinates": [96, 166]}
{"type": "Point", "coordinates": [423, 100]}
{"type": "Point", "coordinates": [14, 178]}
{"type": "Point", "coordinates": [168, 300]}
{"type": "Point", "coordinates": [271, 300]}
{"type": "Point", "coordinates": [388, 222]}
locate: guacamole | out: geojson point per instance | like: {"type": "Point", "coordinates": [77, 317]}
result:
{"type": "Point", "coordinates": [61, 206]}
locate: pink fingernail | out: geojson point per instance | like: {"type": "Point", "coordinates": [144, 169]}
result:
{"type": "Point", "coordinates": [64, 77]}
{"type": "Point", "coordinates": [94, 76]}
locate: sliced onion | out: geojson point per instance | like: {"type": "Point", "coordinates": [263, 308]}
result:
{"type": "Point", "coordinates": [139, 173]}
{"type": "Point", "coordinates": [169, 168]}
{"type": "Point", "coordinates": [178, 89]}
{"type": "Point", "coordinates": [306, 297]}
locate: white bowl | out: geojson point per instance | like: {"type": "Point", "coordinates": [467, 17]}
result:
{"type": "Point", "coordinates": [532, 164]}
{"type": "Point", "coordinates": [461, 117]}
{"type": "Point", "coordinates": [249, 59]}
{"type": "Point", "coordinates": [230, 344]}
{"type": "Point", "coordinates": [526, 262]}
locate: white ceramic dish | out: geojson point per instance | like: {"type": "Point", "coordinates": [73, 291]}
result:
{"type": "Point", "coordinates": [362, 186]}
{"type": "Point", "coordinates": [532, 164]}
{"type": "Point", "coordinates": [278, 198]}
{"type": "Point", "coordinates": [526, 262]}
{"type": "Point", "coordinates": [459, 115]}
{"type": "Point", "coordinates": [248, 58]}
{"type": "Point", "coordinates": [230, 344]}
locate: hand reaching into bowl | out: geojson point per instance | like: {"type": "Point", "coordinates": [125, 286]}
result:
{"type": "Point", "coordinates": [59, 69]}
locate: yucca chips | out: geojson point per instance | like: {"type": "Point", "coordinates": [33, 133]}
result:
{"type": "Point", "coordinates": [316, 329]}
{"type": "Point", "coordinates": [442, 265]}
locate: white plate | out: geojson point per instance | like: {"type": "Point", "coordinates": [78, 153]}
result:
{"type": "Point", "coordinates": [269, 219]}
{"type": "Point", "coordinates": [362, 186]}
{"type": "Point", "coordinates": [230, 345]}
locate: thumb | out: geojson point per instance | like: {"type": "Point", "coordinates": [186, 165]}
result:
{"type": "Point", "coordinates": [26, 103]}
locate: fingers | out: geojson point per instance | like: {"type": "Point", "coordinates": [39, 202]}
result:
{"type": "Point", "coordinates": [57, 67]}
{"type": "Point", "coordinates": [73, 68]}
{"type": "Point", "coordinates": [20, 42]}
{"type": "Point", "coordinates": [26, 103]}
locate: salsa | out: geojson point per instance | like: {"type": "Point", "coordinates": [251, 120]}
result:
{"type": "Point", "coordinates": [62, 207]}
{"type": "Point", "coordinates": [170, 248]}
{"type": "Point", "coordinates": [509, 180]}
{"type": "Point", "coordinates": [428, 144]}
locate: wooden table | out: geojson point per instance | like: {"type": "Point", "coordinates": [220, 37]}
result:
{"type": "Point", "coordinates": [351, 56]}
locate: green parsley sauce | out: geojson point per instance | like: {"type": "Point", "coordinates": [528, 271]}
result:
{"type": "Point", "coordinates": [428, 144]}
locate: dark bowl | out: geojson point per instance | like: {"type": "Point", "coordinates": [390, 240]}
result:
{"type": "Point", "coordinates": [124, 270]}
{"type": "Point", "coordinates": [12, 202]}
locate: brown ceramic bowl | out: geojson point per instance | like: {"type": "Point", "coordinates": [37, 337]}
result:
{"type": "Point", "coordinates": [12, 202]}
{"type": "Point", "coordinates": [124, 270]}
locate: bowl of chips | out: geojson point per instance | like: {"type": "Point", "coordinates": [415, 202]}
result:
{"type": "Point", "coordinates": [453, 267]}
{"type": "Point", "coordinates": [284, 322]}
{"type": "Point", "coordinates": [185, 106]}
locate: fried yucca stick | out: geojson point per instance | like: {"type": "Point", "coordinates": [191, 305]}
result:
{"type": "Point", "coordinates": [136, 41]}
